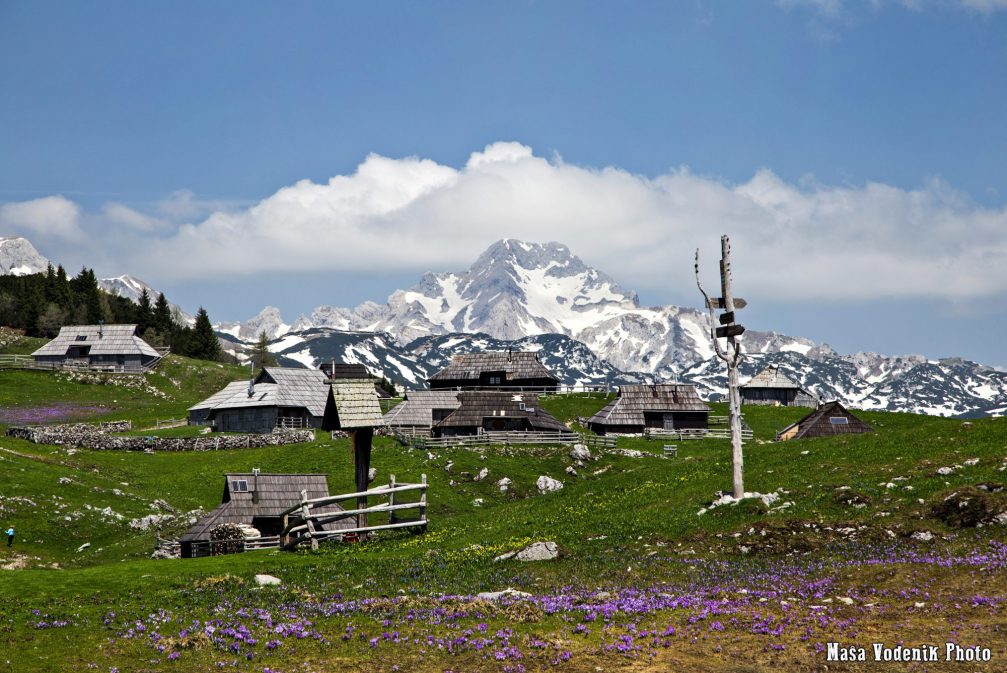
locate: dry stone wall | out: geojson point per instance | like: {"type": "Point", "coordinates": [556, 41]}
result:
{"type": "Point", "coordinates": [99, 437]}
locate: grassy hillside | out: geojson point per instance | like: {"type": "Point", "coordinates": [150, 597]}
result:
{"type": "Point", "coordinates": [644, 582]}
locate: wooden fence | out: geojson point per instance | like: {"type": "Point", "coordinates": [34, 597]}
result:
{"type": "Point", "coordinates": [219, 547]}
{"type": "Point", "coordinates": [28, 362]}
{"type": "Point", "coordinates": [22, 362]}
{"type": "Point", "coordinates": [695, 433]}
{"type": "Point", "coordinates": [505, 439]}
{"type": "Point", "coordinates": [161, 423]}
{"type": "Point", "coordinates": [301, 524]}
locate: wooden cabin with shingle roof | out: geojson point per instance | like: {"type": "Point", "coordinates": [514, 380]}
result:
{"type": "Point", "coordinates": [508, 370]}
{"type": "Point", "coordinates": [258, 500]}
{"type": "Point", "coordinates": [421, 410]}
{"type": "Point", "coordinates": [290, 397]}
{"type": "Point", "coordinates": [115, 348]}
{"type": "Point", "coordinates": [496, 411]}
{"type": "Point", "coordinates": [669, 406]}
{"type": "Point", "coordinates": [770, 387]}
{"type": "Point", "coordinates": [828, 420]}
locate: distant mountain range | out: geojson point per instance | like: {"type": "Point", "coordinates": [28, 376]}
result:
{"type": "Point", "coordinates": [589, 330]}
{"type": "Point", "coordinates": [585, 327]}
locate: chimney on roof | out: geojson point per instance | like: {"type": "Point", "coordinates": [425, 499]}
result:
{"type": "Point", "coordinates": [509, 351]}
{"type": "Point", "coordinates": [255, 484]}
{"type": "Point", "coordinates": [101, 329]}
{"type": "Point", "coordinates": [251, 378]}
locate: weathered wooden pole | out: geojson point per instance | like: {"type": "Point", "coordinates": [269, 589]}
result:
{"type": "Point", "coordinates": [730, 354]}
{"type": "Point", "coordinates": [733, 356]}
{"type": "Point", "coordinates": [362, 439]}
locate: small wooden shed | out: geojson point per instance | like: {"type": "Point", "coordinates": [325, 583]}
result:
{"type": "Point", "coordinates": [258, 500]}
{"type": "Point", "coordinates": [509, 370]}
{"type": "Point", "coordinates": [358, 413]}
{"type": "Point", "coordinates": [770, 387]}
{"type": "Point", "coordinates": [828, 420]}
{"type": "Point", "coordinates": [115, 348]}
{"type": "Point", "coordinates": [495, 411]}
{"type": "Point", "coordinates": [341, 370]}
{"type": "Point", "coordinates": [669, 406]}
{"type": "Point", "coordinates": [421, 410]}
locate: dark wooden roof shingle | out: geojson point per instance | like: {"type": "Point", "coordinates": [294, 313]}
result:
{"type": "Point", "coordinates": [515, 365]}
{"type": "Point", "coordinates": [633, 400]}
{"type": "Point", "coordinates": [477, 405]}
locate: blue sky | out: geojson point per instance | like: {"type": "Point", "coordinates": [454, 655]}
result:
{"type": "Point", "coordinates": [154, 122]}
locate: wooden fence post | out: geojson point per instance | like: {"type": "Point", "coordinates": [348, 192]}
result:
{"type": "Point", "coordinates": [423, 500]}
{"type": "Point", "coordinates": [391, 500]}
{"type": "Point", "coordinates": [305, 513]}
{"type": "Point", "coordinates": [362, 438]}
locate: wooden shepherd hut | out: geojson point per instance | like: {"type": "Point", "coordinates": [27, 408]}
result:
{"type": "Point", "coordinates": [670, 406]}
{"type": "Point", "coordinates": [258, 501]}
{"type": "Point", "coordinates": [495, 411]}
{"type": "Point", "coordinates": [421, 410]}
{"type": "Point", "coordinates": [508, 370]}
{"type": "Point", "coordinates": [770, 387]}
{"type": "Point", "coordinates": [829, 419]}
{"type": "Point", "coordinates": [287, 397]}
{"type": "Point", "coordinates": [114, 348]}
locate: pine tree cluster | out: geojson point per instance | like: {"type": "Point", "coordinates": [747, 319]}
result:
{"type": "Point", "coordinates": [41, 303]}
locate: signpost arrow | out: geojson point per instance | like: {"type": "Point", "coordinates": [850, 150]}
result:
{"type": "Point", "coordinates": [718, 303]}
{"type": "Point", "coordinates": [730, 331]}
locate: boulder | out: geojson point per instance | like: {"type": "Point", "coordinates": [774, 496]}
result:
{"type": "Point", "coordinates": [83, 547]}
{"type": "Point", "coordinates": [538, 551]}
{"type": "Point", "coordinates": [372, 474]}
{"type": "Point", "coordinates": [580, 452]}
{"type": "Point", "coordinates": [505, 593]}
{"type": "Point", "coordinates": [482, 474]}
{"type": "Point", "coordinates": [548, 484]}
{"type": "Point", "coordinates": [268, 581]}
{"type": "Point", "coordinates": [504, 484]}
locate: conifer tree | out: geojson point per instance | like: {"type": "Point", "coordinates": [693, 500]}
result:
{"type": "Point", "coordinates": [162, 315]}
{"type": "Point", "coordinates": [144, 312]}
{"type": "Point", "coordinates": [261, 357]}
{"type": "Point", "coordinates": [204, 340]}
{"type": "Point", "coordinates": [64, 294]}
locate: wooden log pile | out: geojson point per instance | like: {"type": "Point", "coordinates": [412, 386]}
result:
{"type": "Point", "coordinates": [99, 437]}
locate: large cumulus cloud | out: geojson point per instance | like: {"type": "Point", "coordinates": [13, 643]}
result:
{"type": "Point", "coordinates": [791, 241]}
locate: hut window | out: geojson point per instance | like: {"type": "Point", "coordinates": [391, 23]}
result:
{"type": "Point", "coordinates": [239, 485]}
{"type": "Point", "coordinates": [81, 337]}
{"type": "Point", "coordinates": [839, 420]}
{"type": "Point", "coordinates": [495, 380]}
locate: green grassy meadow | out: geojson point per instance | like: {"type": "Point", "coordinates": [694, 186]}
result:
{"type": "Point", "coordinates": [625, 525]}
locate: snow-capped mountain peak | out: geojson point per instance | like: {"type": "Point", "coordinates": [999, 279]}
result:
{"type": "Point", "coordinates": [132, 288]}
{"type": "Point", "coordinates": [18, 257]}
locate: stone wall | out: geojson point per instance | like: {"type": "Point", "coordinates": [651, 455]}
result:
{"type": "Point", "coordinates": [97, 436]}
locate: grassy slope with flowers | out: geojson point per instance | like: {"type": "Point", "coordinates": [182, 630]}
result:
{"type": "Point", "coordinates": [643, 583]}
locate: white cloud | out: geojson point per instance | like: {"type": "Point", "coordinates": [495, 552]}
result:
{"type": "Point", "coordinates": [803, 241]}
{"type": "Point", "coordinates": [50, 217]}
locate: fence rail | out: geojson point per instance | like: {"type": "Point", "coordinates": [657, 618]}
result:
{"type": "Point", "coordinates": [22, 362]}
{"type": "Point", "coordinates": [75, 365]}
{"type": "Point", "coordinates": [169, 423]}
{"type": "Point", "coordinates": [504, 438]}
{"type": "Point", "coordinates": [302, 524]}
{"type": "Point", "coordinates": [219, 547]}
{"type": "Point", "coordinates": [694, 433]}
{"type": "Point", "coordinates": [292, 422]}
